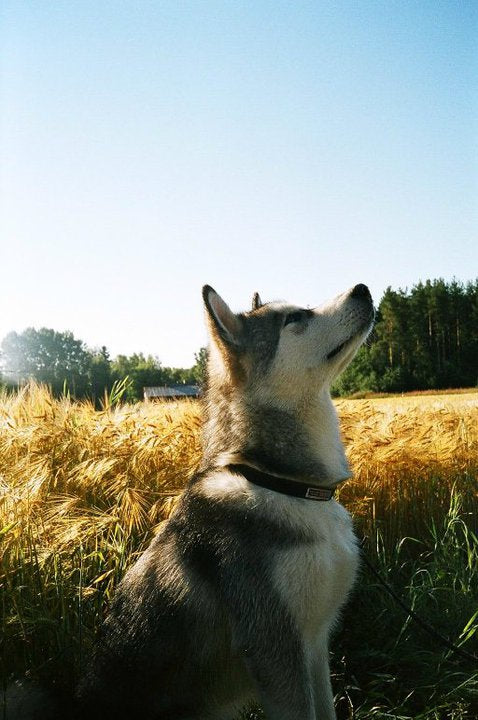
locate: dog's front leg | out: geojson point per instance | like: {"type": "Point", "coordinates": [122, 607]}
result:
{"type": "Point", "coordinates": [323, 695]}
{"type": "Point", "coordinates": [283, 681]}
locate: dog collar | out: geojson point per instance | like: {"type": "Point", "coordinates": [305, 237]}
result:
{"type": "Point", "coordinates": [283, 485]}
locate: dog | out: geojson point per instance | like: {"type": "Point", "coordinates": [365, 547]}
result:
{"type": "Point", "coordinates": [235, 598]}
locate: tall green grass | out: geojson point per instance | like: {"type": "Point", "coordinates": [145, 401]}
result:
{"type": "Point", "coordinates": [389, 666]}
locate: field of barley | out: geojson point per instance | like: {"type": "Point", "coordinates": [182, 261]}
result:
{"type": "Point", "coordinates": [83, 491]}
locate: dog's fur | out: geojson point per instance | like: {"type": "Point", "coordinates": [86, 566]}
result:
{"type": "Point", "coordinates": [235, 599]}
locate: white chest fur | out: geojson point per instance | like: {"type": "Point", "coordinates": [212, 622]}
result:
{"type": "Point", "coordinates": [315, 578]}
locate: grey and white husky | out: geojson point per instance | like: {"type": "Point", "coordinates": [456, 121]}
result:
{"type": "Point", "coordinates": [235, 599]}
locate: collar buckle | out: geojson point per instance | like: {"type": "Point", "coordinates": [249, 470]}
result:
{"type": "Point", "coordinates": [319, 493]}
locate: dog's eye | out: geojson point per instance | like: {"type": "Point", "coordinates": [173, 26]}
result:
{"type": "Point", "coordinates": [297, 316]}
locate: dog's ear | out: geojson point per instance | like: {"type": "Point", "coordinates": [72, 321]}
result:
{"type": "Point", "coordinates": [256, 301]}
{"type": "Point", "coordinates": [222, 321]}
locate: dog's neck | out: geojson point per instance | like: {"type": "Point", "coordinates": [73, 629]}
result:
{"type": "Point", "coordinates": [303, 442]}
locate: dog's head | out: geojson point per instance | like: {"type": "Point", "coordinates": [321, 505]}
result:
{"type": "Point", "coordinates": [284, 351]}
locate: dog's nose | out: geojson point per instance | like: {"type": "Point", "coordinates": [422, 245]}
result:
{"type": "Point", "coordinates": [361, 291]}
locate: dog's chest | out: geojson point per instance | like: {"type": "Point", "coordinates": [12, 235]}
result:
{"type": "Point", "coordinates": [314, 578]}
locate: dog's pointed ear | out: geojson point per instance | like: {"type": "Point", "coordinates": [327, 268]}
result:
{"type": "Point", "coordinates": [256, 301]}
{"type": "Point", "coordinates": [223, 323]}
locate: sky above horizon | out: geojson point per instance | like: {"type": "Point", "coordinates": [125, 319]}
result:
{"type": "Point", "coordinates": [148, 148]}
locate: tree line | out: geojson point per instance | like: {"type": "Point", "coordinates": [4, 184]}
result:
{"type": "Point", "coordinates": [66, 364]}
{"type": "Point", "coordinates": [424, 338]}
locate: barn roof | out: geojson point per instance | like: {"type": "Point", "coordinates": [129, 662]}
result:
{"type": "Point", "coordinates": [171, 391]}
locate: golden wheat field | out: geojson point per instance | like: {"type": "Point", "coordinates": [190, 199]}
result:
{"type": "Point", "coordinates": [82, 492]}
{"type": "Point", "coordinates": [70, 474]}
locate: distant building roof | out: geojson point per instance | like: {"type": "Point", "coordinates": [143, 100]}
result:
{"type": "Point", "coordinates": [171, 391]}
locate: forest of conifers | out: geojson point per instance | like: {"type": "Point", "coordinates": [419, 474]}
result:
{"type": "Point", "coordinates": [424, 338]}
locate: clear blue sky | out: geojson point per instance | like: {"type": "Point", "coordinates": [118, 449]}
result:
{"type": "Point", "coordinates": [295, 148]}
